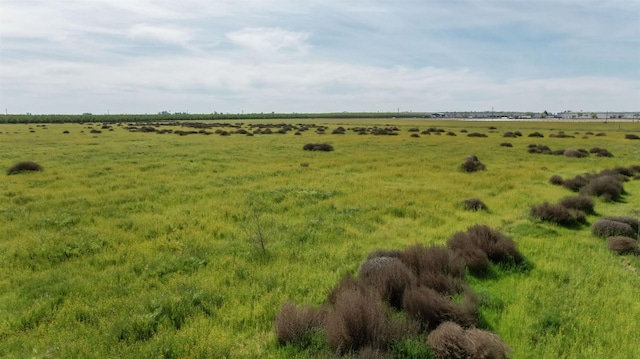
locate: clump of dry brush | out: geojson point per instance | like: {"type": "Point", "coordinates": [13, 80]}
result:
{"type": "Point", "coordinates": [26, 166]}
{"type": "Point", "coordinates": [360, 315]}
{"type": "Point", "coordinates": [607, 184]}
{"type": "Point", "coordinates": [318, 147]}
{"type": "Point", "coordinates": [616, 226]}
{"type": "Point", "coordinates": [473, 204]}
{"type": "Point", "coordinates": [472, 164]}
{"type": "Point", "coordinates": [571, 211]}
{"type": "Point", "coordinates": [623, 245]}
{"type": "Point", "coordinates": [558, 214]}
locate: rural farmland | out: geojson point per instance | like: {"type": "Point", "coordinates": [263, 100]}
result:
{"type": "Point", "coordinates": [212, 239]}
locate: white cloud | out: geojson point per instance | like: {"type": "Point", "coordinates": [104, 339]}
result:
{"type": "Point", "coordinates": [168, 34]}
{"type": "Point", "coordinates": [269, 40]}
{"type": "Point", "coordinates": [318, 55]}
{"type": "Point", "coordinates": [207, 84]}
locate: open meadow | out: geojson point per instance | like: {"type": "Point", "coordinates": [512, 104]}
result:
{"type": "Point", "coordinates": [133, 243]}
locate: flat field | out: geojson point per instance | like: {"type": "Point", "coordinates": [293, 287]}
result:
{"type": "Point", "coordinates": [138, 244]}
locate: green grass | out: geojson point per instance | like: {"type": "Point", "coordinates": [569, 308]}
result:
{"type": "Point", "coordinates": [142, 245]}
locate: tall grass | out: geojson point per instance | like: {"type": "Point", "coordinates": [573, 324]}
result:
{"type": "Point", "coordinates": [136, 244]}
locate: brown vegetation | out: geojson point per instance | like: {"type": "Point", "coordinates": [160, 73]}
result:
{"type": "Point", "coordinates": [623, 245]}
{"type": "Point", "coordinates": [449, 340]}
{"type": "Point", "coordinates": [26, 166]}
{"type": "Point", "coordinates": [294, 324]}
{"type": "Point", "coordinates": [473, 204]}
{"type": "Point", "coordinates": [558, 214]}
{"type": "Point", "coordinates": [609, 228]}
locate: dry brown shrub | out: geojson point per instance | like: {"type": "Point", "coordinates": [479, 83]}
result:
{"type": "Point", "coordinates": [473, 204]}
{"type": "Point", "coordinates": [476, 134]}
{"type": "Point", "coordinates": [580, 203]}
{"type": "Point", "coordinates": [556, 180]}
{"type": "Point", "coordinates": [359, 320]}
{"type": "Point", "coordinates": [375, 264]}
{"type": "Point", "coordinates": [390, 280]}
{"type": "Point", "coordinates": [443, 283]}
{"type": "Point", "coordinates": [294, 324]}
{"type": "Point", "coordinates": [473, 166]}
{"type": "Point", "coordinates": [475, 258]}
{"type": "Point", "coordinates": [26, 166]}
{"type": "Point", "coordinates": [485, 345]}
{"type": "Point", "coordinates": [431, 308]}
{"type": "Point", "coordinates": [318, 147]}
{"type": "Point", "coordinates": [607, 228]}
{"type": "Point", "coordinates": [498, 247]}
{"type": "Point", "coordinates": [604, 153]}
{"type": "Point", "coordinates": [384, 253]}
{"type": "Point", "coordinates": [421, 259]}
{"type": "Point", "coordinates": [349, 283]}
{"type": "Point", "coordinates": [608, 188]}
{"type": "Point", "coordinates": [573, 153]}
{"type": "Point", "coordinates": [556, 213]}
{"type": "Point", "coordinates": [633, 222]}
{"type": "Point", "coordinates": [623, 245]}
{"type": "Point", "coordinates": [576, 183]}
{"type": "Point", "coordinates": [450, 340]}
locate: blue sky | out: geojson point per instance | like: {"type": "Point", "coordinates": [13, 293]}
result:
{"type": "Point", "coordinates": [199, 56]}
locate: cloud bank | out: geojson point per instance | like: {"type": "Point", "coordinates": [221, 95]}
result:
{"type": "Point", "coordinates": [145, 56]}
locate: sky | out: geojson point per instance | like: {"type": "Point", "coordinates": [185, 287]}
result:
{"type": "Point", "coordinates": [285, 56]}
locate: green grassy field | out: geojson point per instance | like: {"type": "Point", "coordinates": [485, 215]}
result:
{"type": "Point", "coordinates": [134, 244]}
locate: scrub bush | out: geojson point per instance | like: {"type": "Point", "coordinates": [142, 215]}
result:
{"type": "Point", "coordinates": [556, 180]}
{"type": "Point", "coordinates": [430, 308]}
{"type": "Point", "coordinates": [633, 222]}
{"type": "Point", "coordinates": [476, 134]}
{"type": "Point", "coordinates": [498, 247]}
{"type": "Point", "coordinates": [26, 166]}
{"type": "Point", "coordinates": [575, 184]}
{"type": "Point", "coordinates": [580, 203]}
{"type": "Point", "coordinates": [607, 228]}
{"type": "Point", "coordinates": [450, 340]}
{"type": "Point", "coordinates": [557, 213]}
{"type": "Point", "coordinates": [623, 245]}
{"type": "Point", "coordinates": [318, 147]}
{"type": "Point", "coordinates": [573, 153]}
{"type": "Point", "coordinates": [294, 324]}
{"type": "Point", "coordinates": [472, 164]}
{"type": "Point", "coordinates": [391, 280]}
{"type": "Point", "coordinates": [473, 204]}
{"type": "Point", "coordinates": [608, 188]}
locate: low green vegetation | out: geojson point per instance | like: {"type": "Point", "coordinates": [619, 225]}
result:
{"type": "Point", "coordinates": [177, 241]}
